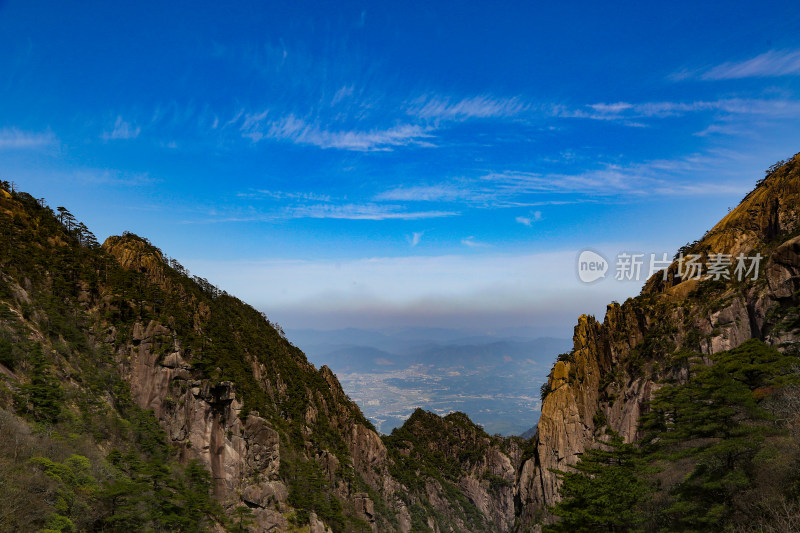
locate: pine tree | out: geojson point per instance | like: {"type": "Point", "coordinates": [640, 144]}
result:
{"type": "Point", "coordinates": [604, 492]}
{"type": "Point", "coordinates": [243, 518]}
{"type": "Point", "coordinates": [715, 421]}
{"type": "Point", "coordinates": [199, 507]}
{"type": "Point", "coordinates": [43, 394]}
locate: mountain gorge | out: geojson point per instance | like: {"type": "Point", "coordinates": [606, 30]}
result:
{"type": "Point", "coordinates": [136, 396]}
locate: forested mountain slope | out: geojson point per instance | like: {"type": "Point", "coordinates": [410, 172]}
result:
{"type": "Point", "coordinates": [118, 363]}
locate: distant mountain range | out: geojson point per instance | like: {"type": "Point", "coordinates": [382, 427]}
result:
{"type": "Point", "coordinates": [493, 378]}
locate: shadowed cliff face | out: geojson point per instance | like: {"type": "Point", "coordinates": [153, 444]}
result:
{"type": "Point", "coordinates": [174, 367]}
{"type": "Point", "coordinates": [615, 366]}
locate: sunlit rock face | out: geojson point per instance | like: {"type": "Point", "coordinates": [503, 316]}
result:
{"type": "Point", "coordinates": [615, 366]}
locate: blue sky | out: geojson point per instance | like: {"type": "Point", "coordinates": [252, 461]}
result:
{"type": "Point", "coordinates": [375, 164]}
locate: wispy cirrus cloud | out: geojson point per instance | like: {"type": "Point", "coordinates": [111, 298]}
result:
{"type": "Point", "coordinates": [342, 93]}
{"type": "Point", "coordinates": [613, 181]}
{"type": "Point", "coordinates": [536, 216]}
{"type": "Point", "coordinates": [415, 238]}
{"type": "Point", "coordinates": [291, 128]}
{"type": "Point", "coordinates": [284, 195]}
{"type": "Point", "coordinates": [484, 106]}
{"type": "Point", "coordinates": [629, 112]}
{"type": "Point", "coordinates": [442, 192]}
{"type": "Point", "coordinates": [15, 139]}
{"type": "Point", "coordinates": [697, 189]}
{"type": "Point", "coordinates": [607, 180]}
{"type": "Point", "coordinates": [471, 242]}
{"type": "Point", "coordinates": [352, 211]}
{"type": "Point", "coordinates": [122, 130]}
{"type": "Point", "coordinates": [109, 176]}
{"type": "Point", "coordinates": [367, 211]}
{"type": "Point", "coordinates": [769, 64]}
{"type": "Point", "coordinates": [606, 183]}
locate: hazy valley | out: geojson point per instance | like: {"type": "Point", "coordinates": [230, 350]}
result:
{"type": "Point", "coordinates": [495, 379]}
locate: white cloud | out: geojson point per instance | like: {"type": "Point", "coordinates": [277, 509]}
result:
{"type": "Point", "coordinates": [768, 64]}
{"type": "Point", "coordinates": [107, 176]}
{"type": "Point", "coordinates": [472, 243]}
{"type": "Point", "coordinates": [122, 130]}
{"type": "Point", "coordinates": [724, 128]}
{"type": "Point", "coordinates": [507, 189]}
{"type": "Point", "coordinates": [342, 94]}
{"type": "Point", "coordinates": [415, 237]}
{"type": "Point", "coordinates": [14, 139]}
{"type": "Point", "coordinates": [611, 108]}
{"type": "Point", "coordinates": [426, 193]}
{"type": "Point", "coordinates": [239, 114]}
{"type": "Point", "coordinates": [367, 211]}
{"type": "Point", "coordinates": [434, 107]}
{"type": "Point", "coordinates": [298, 131]}
{"type": "Point", "coordinates": [628, 113]}
{"type": "Point", "coordinates": [607, 180]}
{"type": "Point", "coordinates": [757, 107]}
{"type": "Point", "coordinates": [698, 189]}
{"type": "Point", "coordinates": [363, 212]}
{"type": "Point", "coordinates": [251, 123]}
{"type": "Point", "coordinates": [284, 195]}
{"type": "Point", "coordinates": [528, 221]}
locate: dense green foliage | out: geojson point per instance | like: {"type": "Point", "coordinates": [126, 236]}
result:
{"type": "Point", "coordinates": [59, 286]}
{"type": "Point", "coordinates": [55, 479]}
{"type": "Point", "coordinates": [427, 448]}
{"type": "Point", "coordinates": [604, 492]}
{"type": "Point", "coordinates": [700, 466]}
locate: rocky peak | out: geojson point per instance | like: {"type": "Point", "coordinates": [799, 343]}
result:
{"type": "Point", "coordinates": [135, 253]}
{"type": "Point", "coordinates": [769, 212]}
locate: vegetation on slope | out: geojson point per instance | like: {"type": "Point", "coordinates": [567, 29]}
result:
{"type": "Point", "coordinates": [67, 306]}
{"type": "Point", "coordinates": [720, 453]}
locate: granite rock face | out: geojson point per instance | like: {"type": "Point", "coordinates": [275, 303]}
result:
{"type": "Point", "coordinates": [615, 366]}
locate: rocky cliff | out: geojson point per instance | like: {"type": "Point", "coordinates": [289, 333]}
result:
{"type": "Point", "coordinates": [615, 366]}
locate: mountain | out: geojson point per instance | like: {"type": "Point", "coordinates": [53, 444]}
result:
{"type": "Point", "coordinates": [134, 396]}
{"type": "Point", "coordinates": [617, 366]}
{"type": "Point", "coordinates": [123, 339]}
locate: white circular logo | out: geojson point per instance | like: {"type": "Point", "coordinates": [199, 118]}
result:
{"type": "Point", "coordinates": [591, 266]}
